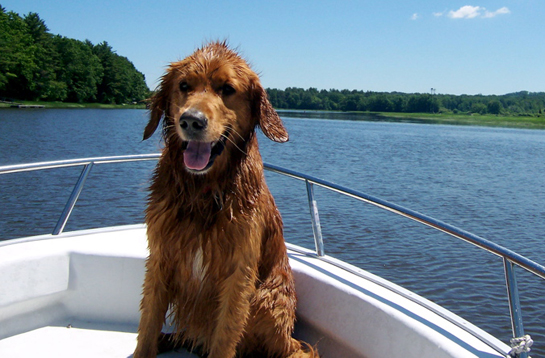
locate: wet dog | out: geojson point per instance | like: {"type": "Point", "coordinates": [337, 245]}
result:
{"type": "Point", "coordinates": [218, 262]}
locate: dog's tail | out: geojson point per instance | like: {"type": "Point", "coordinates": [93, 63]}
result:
{"type": "Point", "coordinates": [305, 351]}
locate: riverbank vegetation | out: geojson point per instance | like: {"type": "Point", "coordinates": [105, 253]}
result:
{"type": "Point", "coordinates": [69, 105]}
{"type": "Point", "coordinates": [517, 110]}
{"type": "Point", "coordinates": [36, 65]}
{"type": "Point", "coordinates": [508, 121]}
{"type": "Point", "coordinates": [520, 104]}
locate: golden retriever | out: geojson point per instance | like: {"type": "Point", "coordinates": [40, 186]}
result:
{"type": "Point", "coordinates": [217, 260]}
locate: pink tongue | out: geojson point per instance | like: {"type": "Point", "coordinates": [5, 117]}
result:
{"type": "Point", "coordinates": [197, 155]}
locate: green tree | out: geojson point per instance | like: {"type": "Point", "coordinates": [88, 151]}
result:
{"type": "Point", "coordinates": [424, 103]}
{"type": "Point", "coordinates": [36, 27]}
{"type": "Point", "coordinates": [36, 65]}
{"type": "Point", "coordinates": [17, 59]}
{"type": "Point", "coordinates": [398, 103]}
{"type": "Point", "coordinates": [351, 103]}
{"type": "Point", "coordinates": [494, 107]}
{"type": "Point", "coordinates": [379, 103]}
{"type": "Point", "coordinates": [44, 85]}
{"type": "Point", "coordinates": [294, 97]}
{"type": "Point", "coordinates": [478, 108]}
{"type": "Point", "coordinates": [79, 69]}
{"type": "Point", "coordinates": [520, 103]}
{"type": "Point", "coordinates": [121, 82]}
{"type": "Point", "coordinates": [311, 100]}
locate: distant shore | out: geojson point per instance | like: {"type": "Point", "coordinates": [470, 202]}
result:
{"type": "Point", "coordinates": [489, 120]}
{"type": "Point", "coordinates": [474, 119]}
{"type": "Point", "coordinates": [58, 105]}
{"type": "Point", "coordinates": [530, 122]}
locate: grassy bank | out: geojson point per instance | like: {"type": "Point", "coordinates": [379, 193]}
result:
{"type": "Point", "coordinates": [74, 105]}
{"type": "Point", "coordinates": [474, 119]}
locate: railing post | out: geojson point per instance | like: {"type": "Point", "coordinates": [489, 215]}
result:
{"type": "Point", "coordinates": [315, 218]}
{"type": "Point", "coordinates": [514, 301]}
{"type": "Point", "coordinates": [63, 219]}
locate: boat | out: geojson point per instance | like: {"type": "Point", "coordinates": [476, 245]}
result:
{"type": "Point", "coordinates": [77, 293]}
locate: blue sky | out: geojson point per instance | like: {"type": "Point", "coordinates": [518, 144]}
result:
{"type": "Point", "coordinates": [454, 46]}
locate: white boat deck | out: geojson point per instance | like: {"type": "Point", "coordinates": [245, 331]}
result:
{"type": "Point", "coordinates": [71, 342]}
{"type": "Point", "coordinates": [77, 295]}
{"type": "Point", "coordinates": [73, 295]}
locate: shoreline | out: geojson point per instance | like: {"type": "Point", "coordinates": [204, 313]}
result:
{"type": "Point", "coordinates": [521, 122]}
{"type": "Point", "coordinates": [65, 105]}
{"type": "Point", "coordinates": [524, 122]}
{"type": "Point", "coordinates": [476, 120]}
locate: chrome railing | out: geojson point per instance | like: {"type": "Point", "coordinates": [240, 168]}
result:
{"type": "Point", "coordinates": [510, 259]}
{"type": "Point", "coordinates": [87, 164]}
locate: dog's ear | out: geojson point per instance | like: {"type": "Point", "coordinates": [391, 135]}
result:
{"type": "Point", "coordinates": [158, 103]}
{"type": "Point", "coordinates": [267, 118]}
{"type": "Point", "coordinates": [157, 109]}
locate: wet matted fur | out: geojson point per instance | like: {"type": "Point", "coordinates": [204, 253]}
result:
{"type": "Point", "coordinates": [218, 261]}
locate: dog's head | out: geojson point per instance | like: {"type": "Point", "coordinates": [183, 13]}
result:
{"type": "Point", "coordinates": [209, 101]}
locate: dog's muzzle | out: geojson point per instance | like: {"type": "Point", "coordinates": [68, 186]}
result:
{"type": "Point", "coordinates": [199, 155]}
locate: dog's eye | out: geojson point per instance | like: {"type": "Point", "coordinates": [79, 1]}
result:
{"type": "Point", "coordinates": [184, 87]}
{"type": "Point", "coordinates": [227, 90]}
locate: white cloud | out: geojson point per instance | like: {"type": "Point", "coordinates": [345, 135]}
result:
{"type": "Point", "coordinates": [466, 12]}
{"type": "Point", "coordinates": [437, 14]}
{"type": "Point", "coordinates": [415, 16]}
{"type": "Point", "coordinates": [471, 12]}
{"type": "Point", "coordinates": [501, 11]}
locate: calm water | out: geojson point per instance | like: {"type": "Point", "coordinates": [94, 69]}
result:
{"type": "Point", "coordinates": [488, 181]}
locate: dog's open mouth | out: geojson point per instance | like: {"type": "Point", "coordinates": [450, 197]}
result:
{"type": "Point", "coordinates": [199, 156]}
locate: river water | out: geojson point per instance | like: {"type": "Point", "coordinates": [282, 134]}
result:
{"type": "Point", "coordinates": [490, 181]}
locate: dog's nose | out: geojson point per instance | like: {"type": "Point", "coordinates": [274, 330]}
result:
{"type": "Point", "coordinates": [193, 122]}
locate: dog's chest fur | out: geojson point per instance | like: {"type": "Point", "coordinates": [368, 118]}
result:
{"type": "Point", "coordinates": [198, 268]}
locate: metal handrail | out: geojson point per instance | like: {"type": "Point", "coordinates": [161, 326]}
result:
{"type": "Point", "coordinates": [510, 258]}
{"type": "Point", "coordinates": [87, 164]}
{"type": "Point", "coordinates": [18, 168]}
{"type": "Point", "coordinates": [483, 243]}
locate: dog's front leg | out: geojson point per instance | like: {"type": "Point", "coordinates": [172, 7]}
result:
{"type": "Point", "coordinates": [235, 295]}
{"type": "Point", "coordinates": [153, 309]}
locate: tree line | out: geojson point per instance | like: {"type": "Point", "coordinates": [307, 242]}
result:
{"type": "Point", "coordinates": [39, 66]}
{"type": "Point", "coordinates": [519, 104]}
